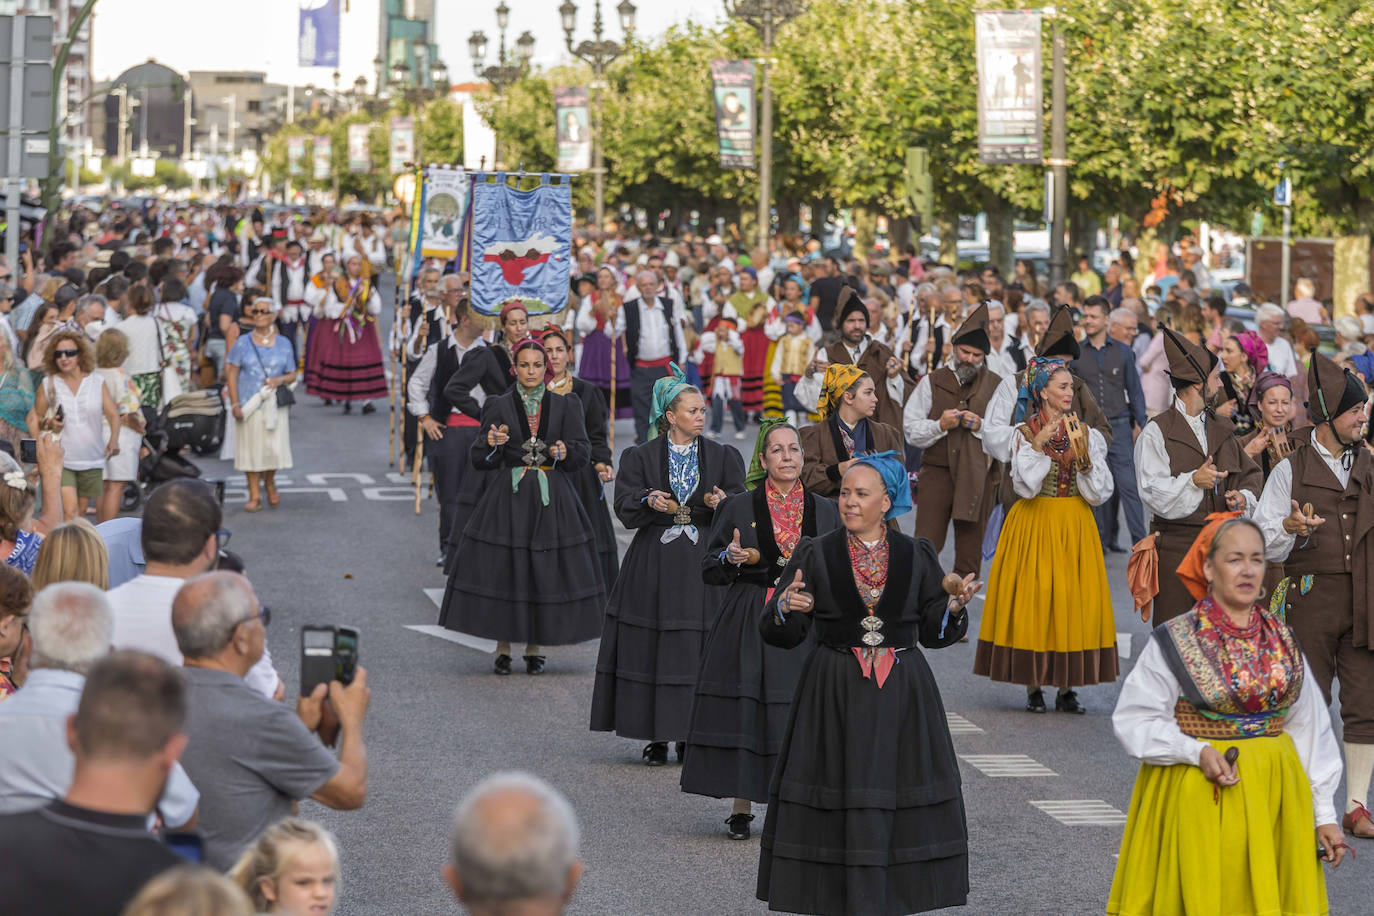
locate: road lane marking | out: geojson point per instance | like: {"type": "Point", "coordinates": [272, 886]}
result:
{"type": "Point", "coordinates": [486, 646]}
{"type": "Point", "coordinates": [958, 725]}
{"type": "Point", "coordinates": [336, 494]}
{"type": "Point", "coordinates": [1006, 765]}
{"type": "Point", "coordinates": [320, 480]}
{"type": "Point", "coordinates": [1081, 812]}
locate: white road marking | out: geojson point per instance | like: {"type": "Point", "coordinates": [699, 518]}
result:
{"type": "Point", "coordinates": [1006, 765]}
{"type": "Point", "coordinates": [336, 494]}
{"type": "Point", "coordinates": [320, 480]}
{"type": "Point", "coordinates": [958, 725]}
{"type": "Point", "coordinates": [487, 646]}
{"type": "Point", "coordinates": [1081, 812]}
{"type": "Point", "coordinates": [397, 494]}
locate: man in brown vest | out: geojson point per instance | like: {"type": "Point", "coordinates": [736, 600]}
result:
{"type": "Point", "coordinates": [1328, 556]}
{"type": "Point", "coordinates": [1189, 464]}
{"type": "Point", "coordinates": [857, 347]}
{"type": "Point", "coordinates": [847, 429]}
{"type": "Point", "coordinates": [945, 418]}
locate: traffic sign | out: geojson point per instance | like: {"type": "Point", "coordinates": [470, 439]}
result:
{"type": "Point", "coordinates": [1283, 192]}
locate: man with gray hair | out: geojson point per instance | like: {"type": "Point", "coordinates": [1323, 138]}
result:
{"type": "Point", "coordinates": [1270, 320]}
{"type": "Point", "coordinates": [253, 758]}
{"type": "Point", "coordinates": [70, 625]}
{"type": "Point", "coordinates": [514, 848]}
{"type": "Point", "coordinates": [90, 314]}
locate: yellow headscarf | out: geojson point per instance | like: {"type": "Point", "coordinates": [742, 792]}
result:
{"type": "Point", "coordinates": [838, 378]}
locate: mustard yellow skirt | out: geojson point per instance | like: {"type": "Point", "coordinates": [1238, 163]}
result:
{"type": "Point", "coordinates": [1047, 619]}
{"type": "Point", "coordinates": [1253, 853]}
{"type": "Point", "coordinates": [772, 391]}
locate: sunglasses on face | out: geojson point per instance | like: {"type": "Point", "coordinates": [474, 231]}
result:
{"type": "Point", "coordinates": [259, 311]}
{"type": "Point", "coordinates": [66, 354]}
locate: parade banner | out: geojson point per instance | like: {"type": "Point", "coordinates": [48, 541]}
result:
{"type": "Point", "coordinates": [733, 85]}
{"type": "Point", "coordinates": [402, 146]}
{"type": "Point", "coordinates": [442, 203]}
{"type": "Point", "coordinates": [572, 115]}
{"type": "Point", "coordinates": [521, 244]}
{"type": "Point", "coordinates": [295, 156]}
{"type": "Point", "coordinates": [318, 38]}
{"type": "Point", "coordinates": [359, 157]}
{"type": "Point", "coordinates": [1009, 86]}
{"type": "Point", "coordinates": [323, 153]}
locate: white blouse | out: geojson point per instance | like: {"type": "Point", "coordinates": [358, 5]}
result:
{"type": "Point", "coordinates": [1168, 495]}
{"type": "Point", "coordinates": [1029, 468]}
{"type": "Point", "coordinates": [1145, 725]}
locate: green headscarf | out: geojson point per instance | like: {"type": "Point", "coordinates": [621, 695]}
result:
{"type": "Point", "coordinates": [665, 389]}
{"type": "Point", "coordinates": [756, 473]}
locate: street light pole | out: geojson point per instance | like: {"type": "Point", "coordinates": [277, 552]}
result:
{"type": "Point", "coordinates": [505, 72]}
{"type": "Point", "coordinates": [766, 16]}
{"type": "Point", "coordinates": [599, 52]}
{"type": "Point", "coordinates": [1059, 163]}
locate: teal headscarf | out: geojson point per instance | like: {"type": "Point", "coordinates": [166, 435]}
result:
{"type": "Point", "coordinates": [1038, 373]}
{"type": "Point", "coordinates": [893, 473]}
{"type": "Point", "coordinates": [665, 389]}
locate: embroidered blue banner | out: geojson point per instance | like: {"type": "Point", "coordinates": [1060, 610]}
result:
{"type": "Point", "coordinates": [521, 244]}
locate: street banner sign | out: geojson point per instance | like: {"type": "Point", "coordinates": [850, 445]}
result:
{"type": "Point", "coordinates": [318, 38]}
{"type": "Point", "coordinates": [572, 120]}
{"type": "Point", "coordinates": [521, 244]}
{"type": "Point", "coordinates": [295, 156]}
{"type": "Point", "coordinates": [322, 154]}
{"type": "Point", "coordinates": [1010, 88]}
{"type": "Point", "coordinates": [402, 146]}
{"type": "Point", "coordinates": [359, 157]}
{"type": "Point", "coordinates": [732, 83]}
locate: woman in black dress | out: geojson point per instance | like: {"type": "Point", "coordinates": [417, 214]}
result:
{"type": "Point", "coordinates": [745, 687]}
{"type": "Point", "coordinates": [528, 566]}
{"type": "Point", "coordinates": [659, 610]}
{"type": "Point", "coordinates": [865, 811]}
{"type": "Point", "coordinates": [591, 480]}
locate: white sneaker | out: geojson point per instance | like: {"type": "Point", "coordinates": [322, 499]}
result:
{"type": "Point", "coordinates": [744, 433]}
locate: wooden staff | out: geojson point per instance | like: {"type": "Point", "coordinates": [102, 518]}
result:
{"type": "Point", "coordinates": [615, 358]}
{"type": "Point", "coordinates": [934, 345]}
{"type": "Point", "coordinates": [395, 376]}
{"type": "Point", "coordinates": [415, 469]}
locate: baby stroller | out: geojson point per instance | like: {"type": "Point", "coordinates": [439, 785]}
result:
{"type": "Point", "coordinates": [194, 420]}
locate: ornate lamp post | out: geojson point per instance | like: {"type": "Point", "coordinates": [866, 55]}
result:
{"type": "Point", "coordinates": [598, 52]}
{"type": "Point", "coordinates": [766, 16]}
{"type": "Point", "coordinates": [503, 74]}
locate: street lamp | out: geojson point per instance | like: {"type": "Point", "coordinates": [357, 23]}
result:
{"type": "Point", "coordinates": [766, 16]}
{"type": "Point", "coordinates": [503, 74]}
{"type": "Point", "coordinates": [438, 75]}
{"type": "Point", "coordinates": [599, 53]}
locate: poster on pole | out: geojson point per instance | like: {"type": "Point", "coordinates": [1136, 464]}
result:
{"type": "Point", "coordinates": [323, 153]}
{"type": "Point", "coordinates": [521, 244]}
{"type": "Point", "coordinates": [359, 157]}
{"type": "Point", "coordinates": [443, 201]}
{"type": "Point", "coordinates": [1010, 87]}
{"type": "Point", "coordinates": [295, 156]}
{"type": "Point", "coordinates": [318, 38]}
{"type": "Point", "coordinates": [402, 146]}
{"type": "Point", "coordinates": [732, 83]}
{"type": "Point", "coordinates": [572, 115]}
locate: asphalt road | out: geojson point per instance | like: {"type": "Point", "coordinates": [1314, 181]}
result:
{"type": "Point", "coordinates": [1046, 795]}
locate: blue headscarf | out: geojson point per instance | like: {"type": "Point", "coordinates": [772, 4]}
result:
{"type": "Point", "coordinates": [1038, 372]}
{"type": "Point", "coordinates": [665, 389]}
{"type": "Point", "coordinates": [893, 473]}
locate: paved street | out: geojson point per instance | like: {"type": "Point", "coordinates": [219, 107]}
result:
{"type": "Point", "coordinates": [1046, 795]}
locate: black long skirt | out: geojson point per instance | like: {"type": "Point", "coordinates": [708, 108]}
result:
{"type": "Point", "coordinates": [651, 639]}
{"type": "Point", "coordinates": [590, 492]}
{"type": "Point", "coordinates": [744, 691]}
{"type": "Point", "coordinates": [526, 572]}
{"type": "Point", "coordinates": [865, 811]}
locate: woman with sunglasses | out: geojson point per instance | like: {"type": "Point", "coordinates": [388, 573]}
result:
{"type": "Point", "coordinates": [260, 363]}
{"type": "Point", "coordinates": [78, 391]}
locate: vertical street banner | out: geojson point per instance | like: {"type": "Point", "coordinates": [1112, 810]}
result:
{"type": "Point", "coordinates": [572, 116]}
{"type": "Point", "coordinates": [1010, 118]}
{"type": "Point", "coordinates": [323, 154]}
{"type": "Point", "coordinates": [402, 146]}
{"type": "Point", "coordinates": [521, 244]}
{"type": "Point", "coordinates": [441, 205]}
{"type": "Point", "coordinates": [318, 38]}
{"type": "Point", "coordinates": [732, 84]}
{"type": "Point", "coordinates": [359, 156]}
{"type": "Point", "coordinates": [295, 156]}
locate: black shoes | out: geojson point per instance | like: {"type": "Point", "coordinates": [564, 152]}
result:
{"type": "Point", "coordinates": [737, 826]}
{"type": "Point", "coordinates": [1035, 700]}
{"type": "Point", "coordinates": [348, 408]}
{"type": "Point", "coordinates": [328, 402]}
{"type": "Point", "coordinates": [502, 664]}
{"type": "Point", "coordinates": [534, 664]}
{"type": "Point", "coordinates": [369, 407]}
{"type": "Point", "coordinates": [656, 753]}
{"type": "Point", "coordinates": [1067, 701]}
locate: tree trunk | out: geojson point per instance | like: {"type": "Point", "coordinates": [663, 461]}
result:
{"type": "Point", "coordinates": [866, 232]}
{"type": "Point", "coordinates": [789, 215]}
{"type": "Point", "coordinates": [899, 234]}
{"type": "Point", "coordinates": [948, 224]}
{"type": "Point", "coordinates": [1350, 263]}
{"type": "Point", "coordinates": [999, 215]}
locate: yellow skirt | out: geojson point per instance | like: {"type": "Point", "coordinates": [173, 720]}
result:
{"type": "Point", "coordinates": [1047, 619]}
{"type": "Point", "coordinates": [772, 391]}
{"type": "Point", "coordinates": [1252, 854]}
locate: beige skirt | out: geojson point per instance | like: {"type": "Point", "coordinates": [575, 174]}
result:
{"type": "Point", "coordinates": [256, 448]}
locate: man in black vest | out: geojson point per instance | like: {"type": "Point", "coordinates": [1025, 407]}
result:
{"type": "Point", "coordinates": [489, 368]}
{"type": "Point", "coordinates": [652, 327]}
{"type": "Point", "coordinates": [1108, 368]}
{"type": "Point", "coordinates": [449, 433]}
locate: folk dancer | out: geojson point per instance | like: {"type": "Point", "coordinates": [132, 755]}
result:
{"type": "Point", "coordinates": [847, 430]}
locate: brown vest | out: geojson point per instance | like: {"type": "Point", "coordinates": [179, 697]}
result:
{"type": "Point", "coordinates": [1343, 544]}
{"type": "Point", "coordinates": [959, 449]}
{"type": "Point", "coordinates": [1186, 455]}
{"type": "Point", "coordinates": [874, 362]}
